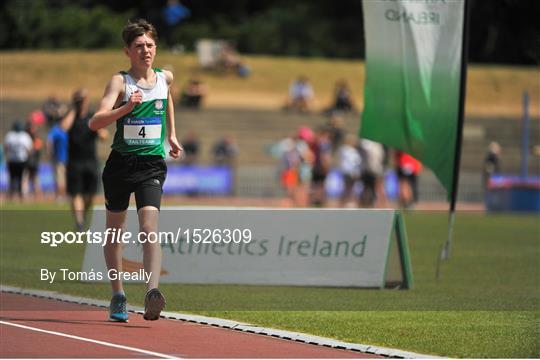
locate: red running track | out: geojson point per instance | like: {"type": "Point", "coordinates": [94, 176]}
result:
{"type": "Point", "coordinates": [33, 327]}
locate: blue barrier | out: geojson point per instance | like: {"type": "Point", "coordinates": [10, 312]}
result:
{"type": "Point", "coordinates": [513, 193]}
{"type": "Point", "coordinates": [209, 180]}
{"type": "Point", "coordinates": [45, 174]}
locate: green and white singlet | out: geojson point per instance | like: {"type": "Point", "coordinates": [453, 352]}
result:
{"type": "Point", "coordinates": [142, 131]}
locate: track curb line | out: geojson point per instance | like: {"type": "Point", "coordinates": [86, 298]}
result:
{"type": "Point", "coordinates": [229, 324]}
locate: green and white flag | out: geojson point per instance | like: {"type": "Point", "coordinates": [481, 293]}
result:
{"type": "Point", "coordinates": [413, 67]}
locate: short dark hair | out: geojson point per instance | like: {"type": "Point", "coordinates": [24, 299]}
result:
{"type": "Point", "coordinates": [137, 28]}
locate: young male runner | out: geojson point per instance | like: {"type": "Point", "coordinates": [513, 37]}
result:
{"type": "Point", "coordinates": [140, 103]}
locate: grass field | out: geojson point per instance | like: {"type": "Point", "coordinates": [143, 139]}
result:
{"type": "Point", "coordinates": [33, 75]}
{"type": "Point", "coordinates": [484, 305]}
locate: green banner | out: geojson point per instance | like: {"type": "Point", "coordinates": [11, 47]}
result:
{"type": "Point", "coordinates": [413, 63]}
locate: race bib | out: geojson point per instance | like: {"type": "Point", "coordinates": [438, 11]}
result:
{"type": "Point", "coordinates": [142, 131]}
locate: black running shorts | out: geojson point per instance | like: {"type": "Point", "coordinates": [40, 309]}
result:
{"type": "Point", "coordinates": [124, 174]}
{"type": "Point", "coordinates": [81, 177]}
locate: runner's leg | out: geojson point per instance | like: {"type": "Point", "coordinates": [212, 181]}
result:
{"type": "Point", "coordinates": [154, 301]}
{"type": "Point", "coordinates": [113, 251]}
{"type": "Point", "coordinates": [77, 208]}
{"type": "Point", "coordinates": [148, 223]}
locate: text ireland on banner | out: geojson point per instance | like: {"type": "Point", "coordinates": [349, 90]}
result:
{"type": "Point", "coordinates": [412, 89]}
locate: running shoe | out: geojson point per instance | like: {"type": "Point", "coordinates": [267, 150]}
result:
{"type": "Point", "coordinates": [154, 302]}
{"type": "Point", "coordinates": [117, 309]}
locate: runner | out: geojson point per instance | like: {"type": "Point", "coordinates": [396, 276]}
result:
{"type": "Point", "coordinates": [140, 103]}
{"type": "Point", "coordinates": [82, 164]}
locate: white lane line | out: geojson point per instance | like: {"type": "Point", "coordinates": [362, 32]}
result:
{"type": "Point", "coordinates": [228, 324]}
{"type": "Point", "coordinates": [146, 352]}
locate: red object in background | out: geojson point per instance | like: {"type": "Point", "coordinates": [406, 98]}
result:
{"type": "Point", "coordinates": [37, 117]}
{"type": "Point", "coordinates": [38, 144]}
{"type": "Point", "coordinates": [289, 178]}
{"type": "Point", "coordinates": [305, 133]}
{"type": "Point", "coordinates": [407, 163]}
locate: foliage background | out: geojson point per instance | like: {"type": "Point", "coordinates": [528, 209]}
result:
{"type": "Point", "coordinates": [502, 31]}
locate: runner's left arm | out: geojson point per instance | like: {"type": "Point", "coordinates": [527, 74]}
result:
{"type": "Point", "coordinates": [176, 149]}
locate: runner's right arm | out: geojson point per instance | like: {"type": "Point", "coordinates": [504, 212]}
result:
{"type": "Point", "coordinates": [106, 113]}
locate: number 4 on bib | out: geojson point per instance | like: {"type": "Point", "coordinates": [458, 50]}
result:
{"type": "Point", "coordinates": [142, 131]}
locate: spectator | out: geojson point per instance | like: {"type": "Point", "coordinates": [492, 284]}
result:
{"type": "Point", "coordinates": [408, 169]}
{"type": "Point", "coordinates": [191, 146]}
{"type": "Point", "coordinates": [349, 165]}
{"type": "Point", "coordinates": [343, 100]}
{"type": "Point", "coordinates": [492, 162]}
{"type": "Point", "coordinates": [229, 60]}
{"type": "Point", "coordinates": [303, 139]}
{"type": "Point", "coordinates": [54, 110]}
{"type": "Point", "coordinates": [373, 155]}
{"type": "Point", "coordinates": [289, 160]}
{"type": "Point", "coordinates": [82, 166]}
{"type": "Point", "coordinates": [336, 126]}
{"type": "Point", "coordinates": [34, 158]}
{"type": "Point", "coordinates": [57, 147]}
{"type": "Point", "coordinates": [225, 151]}
{"type": "Point", "coordinates": [193, 94]}
{"type": "Point", "coordinates": [17, 146]}
{"type": "Point", "coordinates": [301, 96]}
{"type": "Point", "coordinates": [321, 148]}
{"type": "Point", "coordinates": [173, 14]}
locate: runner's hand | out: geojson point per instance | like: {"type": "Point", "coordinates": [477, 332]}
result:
{"type": "Point", "coordinates": [135, 99]}
{"type": "Point", "coordinates": [177, 151]}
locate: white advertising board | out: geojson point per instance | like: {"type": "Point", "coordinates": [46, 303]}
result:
{"type": "Point", "coordinates": [319, 247]}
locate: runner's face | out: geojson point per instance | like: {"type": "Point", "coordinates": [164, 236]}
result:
{"type": "Point", "coordinates": [142, 51]}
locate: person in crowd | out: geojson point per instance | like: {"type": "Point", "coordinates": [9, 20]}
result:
{"type": "Point", "coordinates": [295, 162]}
{"type": "Point", "coordinates": [229, 60]}
{"type": "Point", "coordinates": [336, 126]}
{"type": "Point", "coordinates": [492, 162]}
{"type": "Point", "coordinates": [225, 151]}
{"type": "Point", "coordinates": [54, 110]}
{"type": "Point", "coordinates": [372, 174]}
{"type": "Point", "coordinates": [34, 159]}
{"type": "Point", "coordinates": [349, 166]}
{"type": "Point", "coordinates": [193, 94]}
{"type": "Point", "coordinates": [139, 102]}
{"type": "Point", "coordinates": [191, 144]}
{"type": "Point", "coordinates": [304, 138]}
{"type": "Point", "coordinates": [17, 147]}
{"type": "Point", "coordinates": [342, 99]}
{"type": "Point", "coordinates": [57, 148]}
{"type": "Point", "coordinates": [321, 148]}
{"type": "Point", "coordinates": [408, 169]}
{"type": "Point", "coordinates": [289, 162]}
{"type": "Point", "coordinates": [172, 15]}
{"type": "Point", "coordinates": [301, 96]}
{"type": "Point", "coordinates": [82, 164]}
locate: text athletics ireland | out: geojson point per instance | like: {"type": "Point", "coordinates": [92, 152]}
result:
{"type": "Point", "coordinates": [283, 246]}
